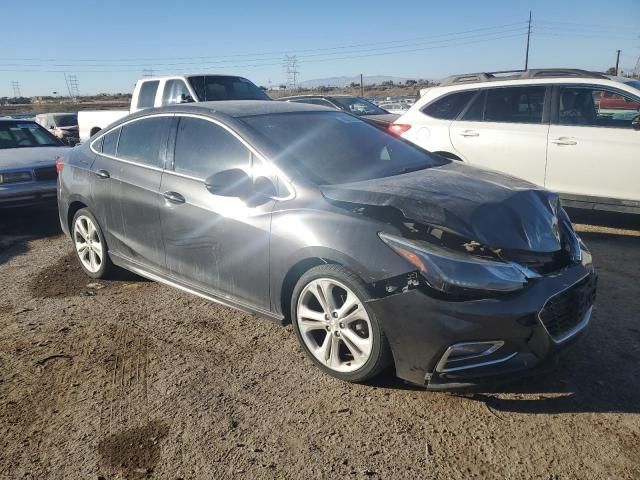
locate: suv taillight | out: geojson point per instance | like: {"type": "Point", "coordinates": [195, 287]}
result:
{"type": "Point", "coordinates": [59, 165]}
{"type": "Point", "coordinates": [398, 128]}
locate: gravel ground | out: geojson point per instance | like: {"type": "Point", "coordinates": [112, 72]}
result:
{"type": "Point", "coordinates": [132, 379]}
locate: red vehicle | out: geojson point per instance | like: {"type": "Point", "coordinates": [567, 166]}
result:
{"type": "Point", "coordinates": [613, 101]}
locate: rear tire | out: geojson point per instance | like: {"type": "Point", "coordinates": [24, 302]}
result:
{"type": "Point", "coordinates": [336, 328]}
{"type": "Point", "coordinates": [90, 245]}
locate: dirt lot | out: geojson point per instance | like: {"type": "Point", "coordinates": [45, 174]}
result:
{"type": "Point", "coordinates": [132, 379]}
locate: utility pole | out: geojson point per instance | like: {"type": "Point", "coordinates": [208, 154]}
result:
{"type": "Point", "coordinates": [361, 86]}
{"type": "Point", "coordinates": [16, 89]}
{"type": "Point", "coordinates": [526, 55]}
{"type": "Point", "coordinates": [617, 60]}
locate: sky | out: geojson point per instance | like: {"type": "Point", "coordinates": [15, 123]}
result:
{"type": "Point", "coordinates": [109, 45]}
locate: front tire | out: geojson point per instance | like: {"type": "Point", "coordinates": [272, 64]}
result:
{"type": "Point", "coordinates": [90, 246]}
{"type": "Point", "coordinates": [335, 327]}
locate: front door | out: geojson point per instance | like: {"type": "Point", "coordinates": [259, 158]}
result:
{"type": "Point", "coordinates": [593, 150]}
{"type": "Point", "coordinates": [215, 243]}
{"type": "Point", "coordinates": [503, 129]}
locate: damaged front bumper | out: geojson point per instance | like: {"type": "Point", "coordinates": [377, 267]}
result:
{"type": "Point", "coordinates": [524, 329]}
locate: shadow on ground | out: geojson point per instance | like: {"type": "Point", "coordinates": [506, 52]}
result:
{"type": "Point", "coordinates": [19, 225]}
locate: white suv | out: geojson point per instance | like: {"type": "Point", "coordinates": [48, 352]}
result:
{"type": "Point", "coordinates": [572, 131]}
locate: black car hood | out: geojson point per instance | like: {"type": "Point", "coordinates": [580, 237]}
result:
{"type": "Point", "coordinates": [493, 209]}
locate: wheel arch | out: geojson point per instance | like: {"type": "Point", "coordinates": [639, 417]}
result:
{"type": "Point", "coordinates": [291, 279]}
{"type": "Point", "coordinates": [74, 206]}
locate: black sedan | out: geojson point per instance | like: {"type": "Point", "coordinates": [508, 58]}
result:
{"type": "Point", "coordinates": [379, 253]}
{"type": "Point", "coordinates": [348, 103]}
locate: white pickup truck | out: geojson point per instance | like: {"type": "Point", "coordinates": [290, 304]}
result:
{"type": "Point", "coordinates": [160, 91]}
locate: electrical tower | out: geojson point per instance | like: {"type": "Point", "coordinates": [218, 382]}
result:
{"type": "Point", "coordinates": [16, 89]}
{"type": "Point", "coordinates": [147, 72]}
{"type": "Point", "coordinates": [72, 85]}
{"type": "Point", "coordinates": [290, 66]}
{"type": "Point", "coordinates": [636, 69]}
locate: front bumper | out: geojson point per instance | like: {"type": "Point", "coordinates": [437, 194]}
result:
{"type": "Point", "coordinates": [421, 328]}
{"type": "Point", "coordinates": [28, 193]}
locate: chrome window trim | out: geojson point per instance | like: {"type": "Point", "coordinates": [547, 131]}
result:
{"type": "Point", "coordinates": [279, 173]}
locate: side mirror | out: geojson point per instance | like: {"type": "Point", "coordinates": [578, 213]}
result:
{"type": "Point", "coordinates": [635, 123]}
{"type": "Point", "coordinates": [230, 183]}
{"type": "Point", "coordinates": [237, 183]}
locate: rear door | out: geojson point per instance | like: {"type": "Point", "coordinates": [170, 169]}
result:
{"type": "Point", "coordinates": [141, 152]}
{"type": "Point", "coordinates": [505, 129]}
{"type": "Point", "coordinates": [593, 150]}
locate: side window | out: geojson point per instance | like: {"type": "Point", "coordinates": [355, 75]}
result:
{"type": "Point", "coordinates": [594, 107]}
{"type": "Point", "coordinates": [514, 105]}
{"type": "Point", "coordinates": [204, 148]}
{"type": "Point", "coordinates": [475, 113]}
{"type": "Point", "coordinates": [449, 106]}
{"type": "Point", "coordinates": [173, 91]}
{"type": "Point", "coordinates": [142, 141]}
{"type": "Point", "coordinates": [110, 142]}
{"type": "Point", "coordinates": [147, 94]}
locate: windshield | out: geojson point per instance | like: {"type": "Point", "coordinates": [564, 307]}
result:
{"type": "Point", "coordinates": [217, 87]}
{"type": "Point", "coordinates": [25, 134]}
{"type": "Point", "coordinates": [358, 106]}
{"type": "Point", "coordinates": [66, 120]}
{"type": "Point", "coordinates": [330, 148]}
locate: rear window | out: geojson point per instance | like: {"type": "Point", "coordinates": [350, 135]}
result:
{"type": "Point", "coordinates": [141, 141]}
{"type": "Point", "coordinates": [217, 87]}
{"type": "Point", "coordinates": [147, 95]}
{"type": "Point", "coordinates": [514, 105]}
{"type": "Point", "coordinates": [66, 120]}
{"type": "Point", "coordinates": [449, 106]}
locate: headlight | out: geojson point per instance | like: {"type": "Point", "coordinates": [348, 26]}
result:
{"type": "Point", "coordinates": [449, 271]}
{"type": "Point", "coordinates": [15, 177]}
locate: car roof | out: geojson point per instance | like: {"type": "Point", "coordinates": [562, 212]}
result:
{"type": "Point", "coordinates": [241, 108]}
{"type": "Point", "coordinates": [21, 120]}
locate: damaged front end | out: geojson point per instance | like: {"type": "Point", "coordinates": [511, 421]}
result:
{"type": "Point", "coordinates": [476, 302]}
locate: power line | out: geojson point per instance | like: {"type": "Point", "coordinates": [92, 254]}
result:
{"type": "Point", "coordinates": [346, 56]}
{"type": "Point", "coordinates": [279, 54]}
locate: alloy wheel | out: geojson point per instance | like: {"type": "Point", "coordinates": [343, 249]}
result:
{"type": "Point", "coordinates": [334, 325]}
{"type": "Point", "coordinates": [88, 245]}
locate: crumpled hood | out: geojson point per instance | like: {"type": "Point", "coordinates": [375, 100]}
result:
{"type": "Point", "coordinates": [29, 157]}
{"type": "Point", "coordinates": [496, 210]}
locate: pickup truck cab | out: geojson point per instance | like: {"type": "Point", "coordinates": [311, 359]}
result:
{"type": "Point", "coordinates": [171, 90]}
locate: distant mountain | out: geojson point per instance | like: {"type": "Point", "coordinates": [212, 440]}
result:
{"type": "Point", "coordinates": [343, 81]}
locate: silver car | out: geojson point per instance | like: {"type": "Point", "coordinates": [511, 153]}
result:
{"type": "Point", "coordinates": [28, 155]}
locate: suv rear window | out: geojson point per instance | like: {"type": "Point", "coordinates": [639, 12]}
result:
{"type": "Point", "coordinates": [449, 106]}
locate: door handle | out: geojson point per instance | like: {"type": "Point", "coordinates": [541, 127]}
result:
{"type": "Point", "coordinates": [564, 141]}
{"type": "Point", "coordinates": [469, 133]}
{"type": "Point", "coordinates": [173, 197]}
{"type": "Point", "coordinates": [102, 174]}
